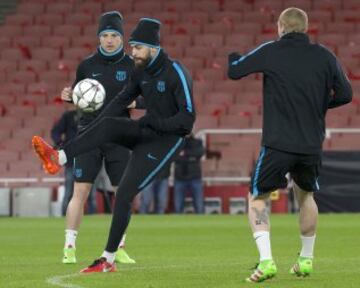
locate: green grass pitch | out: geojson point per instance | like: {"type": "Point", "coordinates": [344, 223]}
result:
{"type": "Point", "coordinates": [177, 252]}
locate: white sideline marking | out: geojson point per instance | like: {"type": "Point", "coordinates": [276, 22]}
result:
{"type": "Point", "coordinates": [58, 281]}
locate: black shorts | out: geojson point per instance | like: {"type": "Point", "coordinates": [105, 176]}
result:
{"type": "Point", "coordinates": [273, 165]}
{"type": "Point", "coordinates": [88, 165]}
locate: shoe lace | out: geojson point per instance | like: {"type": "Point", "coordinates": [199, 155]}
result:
{"type": "Point", "coordinates": [97, 262]}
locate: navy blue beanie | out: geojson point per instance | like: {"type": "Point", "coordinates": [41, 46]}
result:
{"type": "Point", "coordinates": [147, 32]}
{"type": "Point", "coordinates": [111, 22]}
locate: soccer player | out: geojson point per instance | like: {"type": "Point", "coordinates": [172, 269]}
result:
{"type": "Point", "coordinates": [112, 68]}
{"type": "Point", "coordinates": [155, 139]}
{"type": "Point", "coordinates": [301, 81]}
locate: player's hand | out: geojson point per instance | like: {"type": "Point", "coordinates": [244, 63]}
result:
{"type": "Point", "coordinates": [149, 121]}
{"type": "Point", "coordinates": [66, 94]}
{"type": "Point", "coordinates": [132, 105]}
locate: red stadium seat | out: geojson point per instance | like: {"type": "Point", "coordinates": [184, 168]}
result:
{"type": "Point", "coordinates": [221, 28]}
{"type": "Point", "coordinates": [8, 66]}
{"type": "Point", "coordinates": [144, 6]}
{"type": "Point", "coordinates": [77, 53]}
{"type": "Point", "coordinates": [228, 86]}
{"type": "Point", "coordinates": [21, 111]}
{"type": "Point", "coordinates": [60, 8]}
{"type": "Point", "coordinates": [178, 40]}
{"type": "Point", "coordinates": [41, 88]}
{"type": "Point", "coordinates": [331, 5]}
{"type": "Point", "coordinates": [340, 27]}
{"type": "Point", "coordinates": [67, 30]}
{"type": "Point", "coordinates": [11, 30]}
{"type": "Point", "coordinates": [187, 28]}
{"type": "Point", "coordinates": [19, 19]}
{"type": "Point", "coordinates": [13, 88]}
{"type": "Point", "coordinates": [351, 5]}
{"type": "Point", "coordinates": [177, 6]}
{"type": "Point", "coordinates": [26, 41]}
{"type": "Point", "coordinates": [258, 16]}
{"type": "Point", "coordinates": [201, 87]}
{"type": "Point", "coordinates": [332, 39]}
{"type": "Point", "coordinates": [12, 156]}
{"type": "Point", "coordinates": [88, 42]}
{"type": "Point", "coordinates": [206, 122]}
{"type": "Point", "coordinates": [239, 39]}
{"type": "Point", "coordinates": [91, 30]}
{"type": "Point", "coordinates": [49, 54]}
{"type": "Point", "coordinates": [31, 8]}
{"type": "Point", "coordinates": [168, 18]}
{"type": "Point", "coordinates": [268, 6]}
{"type": "Point", "coordinates": [334, 120]}
{"type": "Point", "coordinates": [37, 66]}
{"type": "Point", "coordinates": [80, 18]}
{"type": "Point", "coordinates": [355, 121]}
{"type": "Point", "coordinates": [57, 42]}
{"type": "Point", "coordinates": [37, 30]}
{"type": "Point", "coordinates": [322, 16]}
{"type": "Point", "coordinates": [5, 42]}
{"type": "Point", "coordinates": [32, 99]}
{"type": "Point", "coordinates": [346, 142]}
{"type": "Point", "coordinates": [238, 5]}
{"type": "Point", "coordinates": [53, 112]}
{"type": "Point", "coordinates": [202, 52]}
{"type": "Point", "coordinates": [244, 109]}
{"type": "Point", "coordinates": [349, 51]}
{"type": "Point", "coordinates": [347, 16]}
{"type": "Point", "coordinates": [192, 64]}
{"type": "Point", "coordinates": [25, 77]}
{"type": "Point", "coordinates": [251, 28]}
{"type": "Point", "coordinates": [67, 65]}
{"type": "Point", "coordinates": [230, 17]}
{"type": "Point", "coordinates": [222, 98]}
{"type": "Point", "coordinates": [234, 122]}
{"type": "Point", "coordinates": [210, 74]}
{"type": "Point", "coordinates": [51, 19]}
{"type": "Point", "coordinates": [125, 7]}
{"type": "Point", "coordinates": [92, 8]}
{"type": "Point", "coordinates": [195, 17]}
{"type": "Point", "coordinates": [206, 5]}
{"type": "Point", "coordinates": [54, 76]}
{"type": "Point", "coordinates": [305, 5]}
{"type": "Point", "coordinates": [175, 52]}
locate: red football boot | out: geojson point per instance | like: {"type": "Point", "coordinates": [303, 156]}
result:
{"type": "Point", "coordinates": [47, 154]}
{"type": "Point", "coordinates": [100, 265]}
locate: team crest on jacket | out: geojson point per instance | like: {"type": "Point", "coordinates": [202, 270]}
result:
{"type": "Point", "coordinates": [120, 75]}
{"type": "Point", "coordinates": [160, 86]}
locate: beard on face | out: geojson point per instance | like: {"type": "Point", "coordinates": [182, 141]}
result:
{"type": "Point", "coordinates": [141, 63]}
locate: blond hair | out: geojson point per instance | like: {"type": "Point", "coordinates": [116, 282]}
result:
{"type": "Point", "coordinates": [294, 20]}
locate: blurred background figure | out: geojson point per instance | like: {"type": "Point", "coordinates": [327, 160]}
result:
{"type": "Point", "coordinates": [62, 131]}
{"type": "Point", "coordinates": [188, 177]}
{"type": "Point", "coordinates": [156, 193]}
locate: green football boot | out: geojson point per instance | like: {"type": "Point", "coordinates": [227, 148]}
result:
{"type": "Point", "coordinates": [303, 267]}
{"type": "Point", "coordinates": [264, 270]}
{"type": "Point", "coordinates": [122, 257]}
{"type": "Point", "coordinates": [69, 256]}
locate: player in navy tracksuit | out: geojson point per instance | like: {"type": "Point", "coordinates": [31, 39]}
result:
{"type": "Point", "coordinates": [302, 80]}
{"type": "Point", "coordinates": [112, 67]}
{"type": "Point", "coordinates": [155, 139]}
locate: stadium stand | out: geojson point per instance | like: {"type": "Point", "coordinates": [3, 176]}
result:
{"type": "Point", "coordinates": [42, 42]}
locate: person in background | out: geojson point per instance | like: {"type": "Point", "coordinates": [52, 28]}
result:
{"type": "Point", "coordinates": [188, 176]}
{"type": "Point", "coordinates": [156, 192]}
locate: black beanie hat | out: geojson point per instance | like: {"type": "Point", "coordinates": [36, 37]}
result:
{"type": "Point", "coordinates": [147, 32]}
{"type": "Point", "coordinates": [111, 22]}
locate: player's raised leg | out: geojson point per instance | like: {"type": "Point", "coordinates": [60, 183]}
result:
{"type": "Point", "coordinates": [109, 129]}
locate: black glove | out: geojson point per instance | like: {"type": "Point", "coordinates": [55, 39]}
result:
{"type": "Point", "coordinates": [233, 57]}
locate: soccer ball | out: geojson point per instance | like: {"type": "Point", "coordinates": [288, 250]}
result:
{"type": "Point", "coordinates": [89, 95]}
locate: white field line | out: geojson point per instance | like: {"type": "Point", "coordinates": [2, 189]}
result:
{"type": "Point", "coordinates": [58, 280]}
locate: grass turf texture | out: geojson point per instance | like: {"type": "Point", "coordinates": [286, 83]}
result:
{"type": "Point", "coordinates": [177, 251]}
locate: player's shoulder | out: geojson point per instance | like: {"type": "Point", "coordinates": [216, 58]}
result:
{"type": "Point", "coordinates": [177, 67]}
{"type": "Point", "coordinates": [88, 60]}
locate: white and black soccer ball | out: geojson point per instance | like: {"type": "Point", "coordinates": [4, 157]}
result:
{"type": "Point", "coordinates": [89, 95]}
